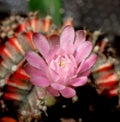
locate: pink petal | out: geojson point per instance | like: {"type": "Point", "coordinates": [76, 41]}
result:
{"type": "Point", "coordinates": [83, 51]}
{"type": "Point", "coordinates": [35, 60]}
{"type": "Point", "coordinates": [53, 75]}
{"type": "Point", "coordinates": [54, 41]}
{"type": "Point", "coordinates": [73, 60]}
{"type": "Point", "coordinates": [80, 81]}
{"type": "Point", "coordinates": [86, 73]}
{"type": "Point", "coordinates": [40, 81]}
{"type": "Point", "coordinates": [67, 39]}
{"type": "Point", "coordinates": [41, 43]}
{"type": "Point", "coordinates": [53, 91]}
{"type": "Point", "coordinates": [57, 86]}
{"type": "Point", "coordinates": [80, 66]}
{"type": "Point", "coordinates": [53, 52]}
{"type": "Point", "coordinates": [80, 38]}
{"type": "Point", "coordinates": [83, 73]}
{"type": "Point", "coordinates": [32, 71]}
{"type": "Point", "coordinates": [68, 92]}
{"type": "Point", "coordinates": [90, 61]}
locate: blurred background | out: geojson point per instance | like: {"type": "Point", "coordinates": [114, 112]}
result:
{"type": "Point", "coordinates": [89, 14]}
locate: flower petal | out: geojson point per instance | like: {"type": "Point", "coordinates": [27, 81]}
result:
{"type": "Point", "coordinates": [53, 53]}
{"type": "Point", "coordinates": [81, 72]}
{"type": "Point", "coordinates": [86, 73]}
{"type": "Point", "coordinates": [57, 86]}
{"type": "Point", "coordinates": [83, 51]}
{"type": "Point", "coordinates": [41, 43]}
{"type": "Point", "coordinates": [67, 39]}
{"type": "Point", "coordinates": [68, 92]}
{"type": "Point", "coordinates": [35, 60]}
{"type": "Point", "coordinates": [54, 41]}
{"type": "Point", "coordinates": [90, 61]}
{"type": "Point", "coordinates": [40, 81]}
{"type": "Point", "coordinates": [32, 71]}
{"type": "Point", "coordinates": [80, 66]}
{"type": "Point", "coordinates": [53, 91]}
{"type": "Point", "coordinates": [80, 38]}
{"type": "Point", "coordinates": [53, 75]}
{"type": "Point", "coordinates": [80, 81]}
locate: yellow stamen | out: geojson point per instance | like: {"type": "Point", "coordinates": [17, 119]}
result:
{"type": "Point", "coordinates": [62, 63]}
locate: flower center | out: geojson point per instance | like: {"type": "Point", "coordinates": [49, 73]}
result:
{"type": "Point", "coordinates": [62, 63]}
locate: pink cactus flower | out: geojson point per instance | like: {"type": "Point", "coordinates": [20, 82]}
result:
{"type": "Point", "coordinates": [64, 64]}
